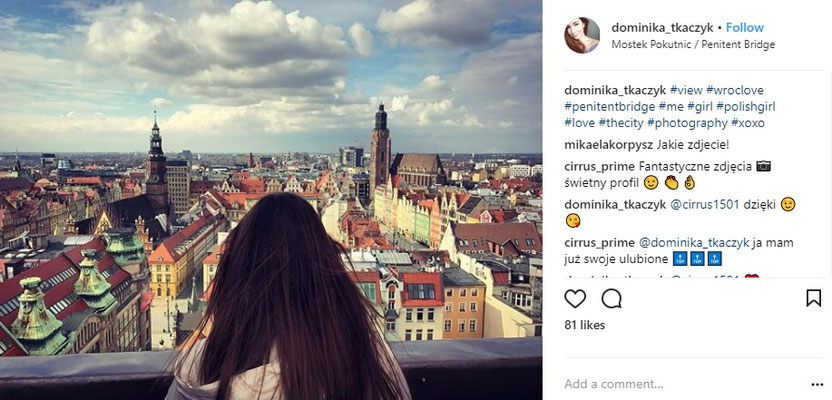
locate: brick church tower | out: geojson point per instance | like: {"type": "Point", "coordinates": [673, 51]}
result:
{"type": "Point", "coordinates": [156, 183]}
{"type": "Point", "coordinates": [379, 152]}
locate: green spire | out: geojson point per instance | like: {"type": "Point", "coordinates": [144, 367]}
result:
{"type": "Point", "coordinates": [193, 301]}
{"type": "Point", "coordinates": [35, 326]}
{"type": "Point", "coordinates": [91, 286]}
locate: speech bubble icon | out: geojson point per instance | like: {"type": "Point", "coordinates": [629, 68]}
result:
{"type": "Point", "coordinates": [611, 298]}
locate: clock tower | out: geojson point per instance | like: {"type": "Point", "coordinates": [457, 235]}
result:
{"type": "Point", "coordinates": [156, 183]}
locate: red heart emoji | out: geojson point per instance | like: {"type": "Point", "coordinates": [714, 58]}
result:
{"type": "Point", "coordinates": [752, 276]}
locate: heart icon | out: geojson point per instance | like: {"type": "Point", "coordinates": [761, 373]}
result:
{"type": "Point", "coordinates": [575, 297]}
{"type": "Point", "coordinates": [752, 276]}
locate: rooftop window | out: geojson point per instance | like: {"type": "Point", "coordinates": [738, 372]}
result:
{"type": "Point", "coordinates": [421, 291]}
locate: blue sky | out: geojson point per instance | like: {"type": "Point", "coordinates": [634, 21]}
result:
{"type": "Point", "coordinates": [454, 75]}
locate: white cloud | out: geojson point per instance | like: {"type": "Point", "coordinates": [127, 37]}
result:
{"type": "Point", "coordinates": [140, 87]}
{"type": "Point", "coordinates": [399, 103]}
{"type": "Point", "coordinates": [434, 82]}
{"type": "Point", "coordinates": [362, 39]}
{"type": "Point", "coordinates": [490, 84]}
{"type": "Point", "coordinates": [253, 69]}
{"type": "Point", "coordinates": [456, 22]}
{"type": "Point", "coordinates": [8, 23]}
{"type": "Point", "coordinates": [257, 40]}
{"type": "Point", "coordinates": [160, 102]}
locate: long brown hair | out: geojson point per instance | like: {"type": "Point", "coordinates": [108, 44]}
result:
{"type": "Point", "coordinates": [281, 285]}
{"type": "Point", "coordinates": [573, 43]}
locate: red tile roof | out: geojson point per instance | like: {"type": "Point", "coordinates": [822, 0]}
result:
{"type": "Point", "coordinates": [252, 185]}
{"type": "Point", "coordinates": [431, 278]}
{"type": "Point", "coordinates": [167, 251]}
{"type": "Point", "coordinates": [69, 260]}
{"type": "Point", "coordinates": [240, 197]}
{"type": "Point", "coordinates": [500, 278]}
{"type": "Point", "coordinates": [214, 257]}
{"type": "Point", "coordinates": [84, 180]}
{"type": "Point", "coordinates": [203, 186]}
{"type": "Point", "coordinates": [368, 277]}
{"type": "Point", "coordinates": [476, 237]}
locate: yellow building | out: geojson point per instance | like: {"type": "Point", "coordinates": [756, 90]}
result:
{"type": "Point", "coordinates": [175, 260]}
{"type": "Point", "coordinates": [464, 305]}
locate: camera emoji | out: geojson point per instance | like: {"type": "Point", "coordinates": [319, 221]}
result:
{"type": "Point", "coordinates": [763, 166]}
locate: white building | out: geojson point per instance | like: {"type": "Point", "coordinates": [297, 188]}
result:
{"type": "Point", "coordinates": [520, 171]}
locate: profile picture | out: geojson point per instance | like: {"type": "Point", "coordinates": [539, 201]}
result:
{"type": "Point", "coordinates": [582, 35]}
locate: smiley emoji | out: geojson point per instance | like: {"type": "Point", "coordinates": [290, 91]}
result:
{"type": "Point", "coordinates": [689, 183]}
{"type": "Point", "coordinates": [787, 204]}
{"type": "Point", "coordinates": [651, 182]}
{"type": "Point", "coordinates": [671, 182]}
{"type": "Point", "coordinates": [573, 220]}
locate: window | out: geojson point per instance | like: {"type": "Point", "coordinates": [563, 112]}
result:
{"type": "Point", "coordinates": [167, 278]}
{"type": "Point", "coordinates": [420, 314]}
{"type": "Point", "coordinates": [407, 333]}
{"type": "Point", "coordinates": [158, 268]}
{"type": "Point", "coordinates": [474, 292]}
{"type": "Point", "coordinates": [167, 268]}
{"type": "Point", "coordinates": [473, 307]}
{"type": "Point", "coordinates": [514, 241]}
{"type": "Point", "coordinates": [418, 334]}
{"type": "Point", "coordinates": [472, 325]}
{"type": "Point", "coordinates": [462, 325]}
{"type": "Point", "coordinates": [447, 325]}
{"type": "Point", "coordinates": [430, 315]}
{"type": "Point", "coordinates": [462, 292]}
{"type": "Point", "coordinates": [408, 315]}
{"type": "Point", "coordinates": [449, 307]}
{"type": "Point", "coordinates": [521, 300]}
{"type": "Point", "coordinates": [391, 326]}
{"type": "Point", "coordinates": [530, 242]}
{"type": "Point", "coordinates": [159, 292]}
{"type": "Point", "coordinates": [369, 290]}
{"type": "Point", "coordinates": [461, 307]}
{"type": "Point", "coordinates": [504, 295]}
{"type": "Point", "coordinates": [449, 293]}
{"type": "Point", "coordinates": [422, 291]}
{"type": "Point", "coordinates": [475, 243]}
{"type": "Point", "coordinates": [391, 294]}
{"type": "Point", "coordinates": [391, 305]}
{"type": "Point", "coordinates": [430, 334]}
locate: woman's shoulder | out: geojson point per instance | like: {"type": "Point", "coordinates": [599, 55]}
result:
{"type": "Point", "coordinates": [248, 384]}
{"type": "Point", "coordinates": [593, 45]}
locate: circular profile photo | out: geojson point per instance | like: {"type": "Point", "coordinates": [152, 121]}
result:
{"type": "Point", "coordinates": [582, 35]}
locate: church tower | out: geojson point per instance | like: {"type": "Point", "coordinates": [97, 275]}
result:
{"type": "Point", "coordinates": [379, 151]}
{"type": "Point", "coordinates": [155, 180]}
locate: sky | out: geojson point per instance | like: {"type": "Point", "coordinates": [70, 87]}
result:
{"type": "Point", "coordinates": [271, 76]}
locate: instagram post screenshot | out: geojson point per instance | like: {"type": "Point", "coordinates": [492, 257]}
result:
{"type": "Point", "coordinates": [338, 199]}
{"type": "Point", "coordinates": [689, 231]}
{"type": "Point", "coordinates": [242, 199]}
